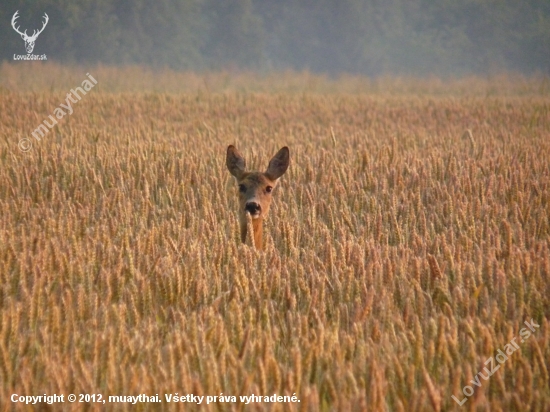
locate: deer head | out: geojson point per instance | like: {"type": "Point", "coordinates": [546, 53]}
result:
{"type": "Point", "coordinates": [255, 189]}
{"type": "Point", "coordinates": [29, 40]}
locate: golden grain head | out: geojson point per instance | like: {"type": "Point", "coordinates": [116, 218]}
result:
{"type": "Point", "coordinates": [403, 250]}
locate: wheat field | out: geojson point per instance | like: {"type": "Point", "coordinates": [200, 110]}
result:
{"type": "Point", "coordinates": [407, 244]}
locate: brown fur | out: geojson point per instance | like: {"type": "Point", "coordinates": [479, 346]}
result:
{"type": "Point", "coordinates": [254, 188]}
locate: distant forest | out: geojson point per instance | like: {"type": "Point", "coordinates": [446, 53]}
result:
{"type": "Point", "coordinates": [373, 37]}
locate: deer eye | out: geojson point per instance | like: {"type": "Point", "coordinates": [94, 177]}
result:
{"type": "Point", "coordinates": [242, 188]}
{"type": "Point", "coordinates": [268, 189]}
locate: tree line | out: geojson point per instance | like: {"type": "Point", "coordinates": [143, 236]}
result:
{"type": "Point", "coordinates": [373, 37]}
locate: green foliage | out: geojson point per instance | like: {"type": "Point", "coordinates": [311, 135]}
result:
{"type": "Point", "coordinates": [411, 37]}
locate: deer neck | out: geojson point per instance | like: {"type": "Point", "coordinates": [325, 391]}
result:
{"type": "Point", "coordinates": [257, 227]}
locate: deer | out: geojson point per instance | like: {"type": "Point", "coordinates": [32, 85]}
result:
{"type": "Point", "coordinates": [255, 189]}
{"type": "Point", "coordinates": [29, 40]}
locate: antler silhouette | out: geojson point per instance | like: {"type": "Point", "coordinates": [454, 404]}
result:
{"type": "Point", "coordinates": [35, 34]}
{"type": "Point", "coordinates": [24, 34]}
{"type": "Point", "coordinates": [15, 16]}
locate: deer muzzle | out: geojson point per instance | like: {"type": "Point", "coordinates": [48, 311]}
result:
{"type": "Point", "coordinates": [254, 209]}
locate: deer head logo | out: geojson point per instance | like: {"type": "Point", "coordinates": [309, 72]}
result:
{"type": "Point", "coordinates": [29, 40]}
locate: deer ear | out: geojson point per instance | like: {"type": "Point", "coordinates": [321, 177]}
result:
{"type": "Point", "coordinates": [278, 164]}
{"type": "Point", "coordinates": [235, 162]}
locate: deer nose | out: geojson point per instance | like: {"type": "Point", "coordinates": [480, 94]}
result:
{"type": "Point", "coordinates": [253, 208]}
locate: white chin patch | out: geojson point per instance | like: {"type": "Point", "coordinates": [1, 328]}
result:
{"type": "Point", "coordinates": [253, 216]}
